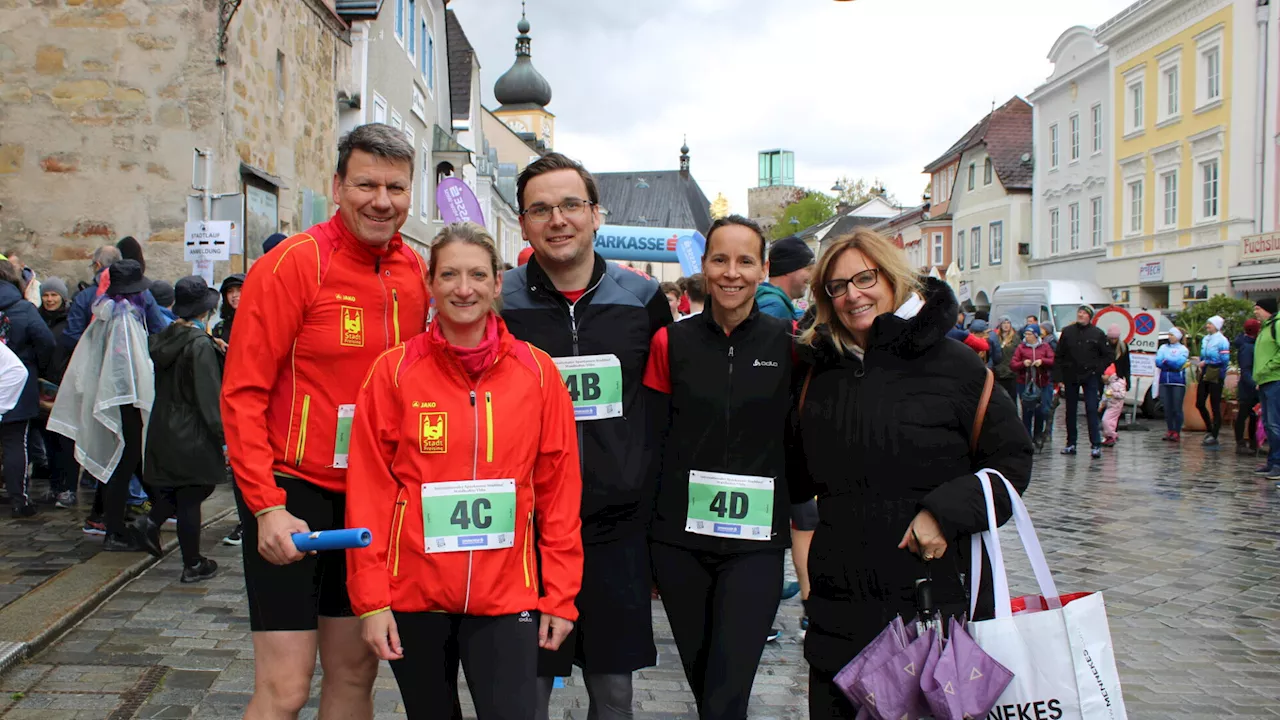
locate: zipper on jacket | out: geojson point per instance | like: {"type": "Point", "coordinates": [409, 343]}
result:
{"type": "Point", "coordinates": [475, 462]}
{"type": "Point", "coordinates": [302, 431]}
{"type": "Point", "coordinates": [395, 314]}
{"type": "Point", "coordinates": [488, 423]}
{"type": "Point", "coordinates": [386, 331]}
{"type": "Point", "coordinates": [727, 400]}
{"type": "Point", "coordinates": [397, 525]}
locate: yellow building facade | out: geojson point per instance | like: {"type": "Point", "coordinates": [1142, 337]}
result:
{"type": "Point", "coordinates": [1183, 76]}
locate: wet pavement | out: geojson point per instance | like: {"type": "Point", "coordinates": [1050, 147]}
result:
{"type": "Point", "coordinates": [1182, 539]}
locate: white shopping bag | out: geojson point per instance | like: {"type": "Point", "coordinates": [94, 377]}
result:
{"type": "Point", "coordinates": [1058, 647]}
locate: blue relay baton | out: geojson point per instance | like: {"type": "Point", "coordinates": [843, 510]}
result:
{"type": "Point", "coordinates": [345, 539]}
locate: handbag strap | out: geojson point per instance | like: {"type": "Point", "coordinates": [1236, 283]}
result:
{"type": "Point", "coordinates": [978, 418]}
{"type": "Point", "coordinates": [991, 539]}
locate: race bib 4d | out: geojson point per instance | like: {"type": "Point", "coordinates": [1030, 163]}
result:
{"type": "Point", "coordinates": [730, 506]}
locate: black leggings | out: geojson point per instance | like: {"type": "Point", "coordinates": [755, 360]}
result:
{"type": "Point", "coordinates": [184, 504]}
{"type": "Point", "coordinates": [721, 608]}
{"type": "Point", "coordinates": [13, 443]}
{"type": "Point", "coordinates": [1246, 419]}
{"type": "Point", "coordinates": [499, 655]}
{"type": "Point", "coordinates": [826, 701]}
{"type": "Point", "coordinates": [1212, 392]}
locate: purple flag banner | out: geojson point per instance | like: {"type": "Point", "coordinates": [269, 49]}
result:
{"type": "Point", "coordinates": [457, 203]}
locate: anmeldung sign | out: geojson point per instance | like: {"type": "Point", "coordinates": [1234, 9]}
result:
{"type": "Point", "coordinates": [1142, 364]}
{"type": "Point", "coordinates": [208, 240]}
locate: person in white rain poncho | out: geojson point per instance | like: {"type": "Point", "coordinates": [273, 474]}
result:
{"type": "Point", "coordinates": [106, 394]}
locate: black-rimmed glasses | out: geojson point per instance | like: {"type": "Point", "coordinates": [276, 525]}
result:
{"type": "Point", "coordinates": [572, 207]}
{"type": "Point", "coordinates": [864, 280]}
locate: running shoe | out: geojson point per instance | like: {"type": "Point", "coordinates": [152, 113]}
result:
{"type": "Point", "coordinates": [1275, 475]}
{"type": "Point", "coordinates": [25, 510]}
{"type": "Point", "coordinates": [804, 627]}
{"type": "Point", "coordinates": [773, 635]}
{"type": "Point", "coordinates": [1095, 452]}
{"type": "Point", "coordinates": [202, 570]}
{"type": "Point", "coordinates": [1209, 440]}
{"type": "Point", "coordinates": [119, 543]}
{"type": "Point", "coordinates": [236, 537]}
{"type": "Point", "coordinates": [94, 526]}
{"type": "Point", "coordinates": [143, 508]}
{"type": "Point", "coordinates": [66, 499]}
{"type": "Point", "coordinates": [790, 590]}
{"type": "Point", "coordinates": [1069, 450]}
{"type": "Point", "coordinates": [1262, 470]}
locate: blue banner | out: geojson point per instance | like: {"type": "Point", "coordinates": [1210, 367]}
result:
{"type": "Point", "coordinates": [646, 244]}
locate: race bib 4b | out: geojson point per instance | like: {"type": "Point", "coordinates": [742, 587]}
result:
{"type": "Point", "coordinates": [595, 385]}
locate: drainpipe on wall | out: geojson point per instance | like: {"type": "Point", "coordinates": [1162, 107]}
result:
{"type": "Point", "coordinates": [1260, 133]}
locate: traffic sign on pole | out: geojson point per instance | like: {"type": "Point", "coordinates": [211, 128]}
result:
{"type": "Point", "coordinates": [1115, 315]}
{"type": "Point", "coordinates": [1145, 337]}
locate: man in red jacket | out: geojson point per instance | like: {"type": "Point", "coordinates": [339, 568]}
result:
{"type": "Point", "coordinates": [314, 314]}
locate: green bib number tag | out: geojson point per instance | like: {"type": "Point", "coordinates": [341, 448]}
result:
{"type": "Point", "coordinates": [468, 515]}
{"type": "Point", "coordinates": [595, 385]}
{"type": "Point", "coordinates": [730, 506]}
{"type": "Point", "coordinates": [343, 440]}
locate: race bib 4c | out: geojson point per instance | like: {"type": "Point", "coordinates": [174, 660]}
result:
{"type": "Point", "coordinates": [468, 515]}
{"type": "Point", "coordinates": [730, 506]}
{"type": "Point", "coordinates": [595, 385]}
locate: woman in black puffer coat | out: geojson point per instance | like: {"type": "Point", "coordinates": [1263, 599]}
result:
{"type": "Point", "coordinates": [882, 437]}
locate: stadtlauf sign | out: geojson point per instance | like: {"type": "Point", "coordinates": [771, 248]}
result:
{"type": "Point", "coordinates": [208, 240]}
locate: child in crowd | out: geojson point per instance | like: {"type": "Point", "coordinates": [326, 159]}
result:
{"type": "Point", "coordinates": [1113, 404]}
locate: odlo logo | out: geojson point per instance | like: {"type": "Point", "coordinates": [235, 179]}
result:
{"type": "Point", "coordinates": [1038, 710]}
{"type": "Point", "coordinates": [525, 617]}
{"type": "Point", "coordinates": [764, 363]}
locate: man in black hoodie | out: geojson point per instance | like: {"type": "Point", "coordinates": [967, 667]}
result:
{"type": "Point", "coordinates": [1083, 353]}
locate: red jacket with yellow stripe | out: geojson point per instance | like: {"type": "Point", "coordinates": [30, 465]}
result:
{"type": "Point", "coordinates": [314, 314]}
{"type": "Point", "coordinates": [422, 421]}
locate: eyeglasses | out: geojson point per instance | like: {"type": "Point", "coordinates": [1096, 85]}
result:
{"type": "Point", "coordinates": [864, 280]}
{"type": "Point", "coordinates": [372, 188]}
{"type": "Point", "coordinates": [573, 207]}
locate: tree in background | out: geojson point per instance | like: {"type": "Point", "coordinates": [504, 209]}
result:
{"type": "Point", "coordinates": [855, 192]}
{"type": "Point", "coordinates": [1233, 310]}
{"type": "Point", "coordinates": [810, 210]}
{"type": "Point", "coordinates": [720, 207]}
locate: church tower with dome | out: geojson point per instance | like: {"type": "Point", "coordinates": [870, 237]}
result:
{"type": "Point", "coordinates": [524, 94]}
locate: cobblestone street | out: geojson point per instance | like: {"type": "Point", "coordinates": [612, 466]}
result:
{"type": "Point", "coordinates": [1182, 540]}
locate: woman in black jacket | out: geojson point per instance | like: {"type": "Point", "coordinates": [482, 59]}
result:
{"type": "Point", "coordinates": [186, 452]}
{"type": "Point", "coordinates": [882, 436]}
{"type": "Point", "coordinates": [59, 451]}
{"type": "Point", "coordinates": [29, 338]}
{"type": "Point", "coordinates": [721, 522]}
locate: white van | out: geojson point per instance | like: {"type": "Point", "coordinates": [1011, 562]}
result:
{"type": "Point", "coordinates": [1049, 300]}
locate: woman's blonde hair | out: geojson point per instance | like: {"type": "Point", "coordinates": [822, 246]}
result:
{"type": "Point", "coordinates": [894, 267]}
{"type": "Point", "coordinates": [464, 232]}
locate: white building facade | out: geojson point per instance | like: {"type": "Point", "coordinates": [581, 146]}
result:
{"type": "Point", "coordinates": [1071, 204]}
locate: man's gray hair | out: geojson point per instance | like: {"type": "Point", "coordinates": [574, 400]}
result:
{"type": "Point", "coordinates": [377, 139]}
{"type": "Point", "coordinates": [105, 255]}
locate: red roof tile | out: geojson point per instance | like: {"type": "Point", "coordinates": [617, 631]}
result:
{"type": "Point", "coordinates": [1007, 134]}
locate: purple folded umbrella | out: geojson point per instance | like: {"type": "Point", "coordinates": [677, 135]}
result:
{"type": "Point", "coordinates": [965, 681]}
{"type": "Point", "coordinates": [892, 691]}
{"type": "Point", "coordinates": [889, 642]}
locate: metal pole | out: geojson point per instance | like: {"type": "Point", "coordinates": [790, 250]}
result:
{"type": "Point", "coordinates": [1137, 398]}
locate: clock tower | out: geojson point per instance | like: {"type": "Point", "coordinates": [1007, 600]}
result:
{"type": "Point", "coordinates": [524, 95]}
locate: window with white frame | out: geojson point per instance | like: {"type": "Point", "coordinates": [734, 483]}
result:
{"type": "Point", "coordinates": [1073, 226]}
{"type": "Point", "coordinates": [960, 249]}
{"type": "Point", "coordinates": [422, 51]}
{"type": "Point", "coordinates": [1095, 210]}
{"type": "Point", "coordinates": [1170, 87]}
{"type": "Point", "coordinates": [425, 212]}
{"type": "Point", "coordinates": [1054, 232]}
{"type": "Point", "coordinates": [995, 242]}
{"type": "Point", "coordinates": [399, 20]}
{"type": "Point", "coordinates": [419, 106]}
{"type": "Point", "coordinates": [412, 46]}
{"type": "Point", "coordinates": [1169, 199]}
{"type": "Point", "coordinates": [379, 109]}
{"type": "Point", "coordinates": [973, 173]}
{"type": "Point", "coordinates": [1096, 114]}
{"type": "Point", "coordinates": [1134, 106]}
{"type": "Point", "coordinates": [975, 240]}
{"type": "Point", "coordinates": [408, 135]}
{"type": "Point", "coordinates": [937, 248]}
{"type": "Point", "coordinates": [1135, 207]}
{"type": "Point", "coordinates": [396, 121]}
{"type": "Point", "coordinates": [1075, 137]}
{"type": "Point", "coordinates": [1209, 67]}
{"type": "Point", "coordinates": [1209, 189]}
{"type": "Point", "coordinates": [988, 172]}
{"type": "Point", "coordinates": [431, 63]}
{"type": "Point", "coordinates": [1053, 146]}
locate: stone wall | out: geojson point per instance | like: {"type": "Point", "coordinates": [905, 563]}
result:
{"type": "Point", "coordinates": [764, 203]}
{"type": "Point", "coordinates": [102, 102]}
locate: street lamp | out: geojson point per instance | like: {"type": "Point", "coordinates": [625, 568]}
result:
{"type": "Point", "coordinates": [837, 188]}
{"type": "Point", "coordinates": [794, 224]}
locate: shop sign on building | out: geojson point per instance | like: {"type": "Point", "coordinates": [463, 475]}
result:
{"type": "Point", "coordinates": [1151, 272]}
{"type": "Point", "coordinates": [1260, 247]}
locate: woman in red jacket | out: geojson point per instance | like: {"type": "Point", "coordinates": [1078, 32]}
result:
{"type": "Point", "coordinates": [1032, 365]}
{"type": "Point", "coordinates": [457, 436]}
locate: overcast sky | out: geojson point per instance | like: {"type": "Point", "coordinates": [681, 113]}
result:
{"type": "Point", "coordinates": [870, 88]}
